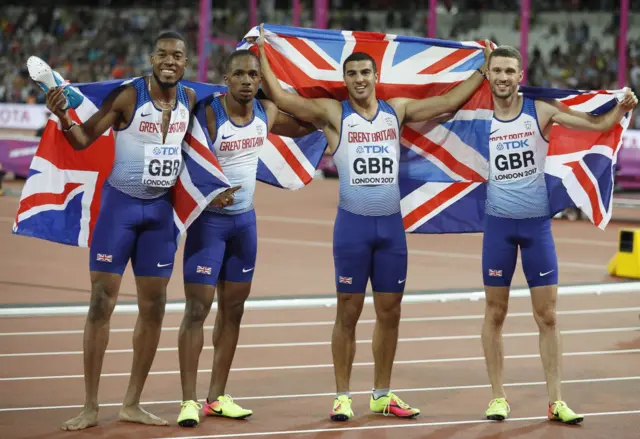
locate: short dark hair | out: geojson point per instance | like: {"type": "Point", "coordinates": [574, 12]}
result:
{"type": "Point", "coordinates": [238, 54]}
{"type": "Point", "coordinates": [170, 35]}
{"type": "Point", "coordinates": [507, 52]}
{"type": "Point", "coordinates": [359, 56]}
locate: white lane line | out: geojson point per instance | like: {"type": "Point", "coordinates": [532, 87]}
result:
{"type": "Point", "coordinates": [331, 394]}
{"type": "Point", "coordinates": [573, 312]}
{"type": "Point", "coordinates": [440, 254]}
{"type": "Point", "coordinates": [389, 426]}
{"type": "Point", "coordinates": [330, 223]}
{"type": "Point", "coordinates": [328, 343]}
{"type": "Point", "coordinates": [308, 303]}
{"type": "Point", "coordinates": [327, 366]}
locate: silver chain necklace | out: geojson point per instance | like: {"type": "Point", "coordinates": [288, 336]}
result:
{"type": "Point", "coordinates": [164, 105]}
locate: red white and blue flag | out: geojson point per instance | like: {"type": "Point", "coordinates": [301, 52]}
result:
{"type": "Point", "coordinates": [61, 198]}
{"type": "Point", "coordinates": [445, 163]}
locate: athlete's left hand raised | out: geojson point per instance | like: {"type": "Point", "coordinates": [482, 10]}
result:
{"type": "Point", "coordinates": [260, 40]}
{"type": "Point", "coordinates": [488, 48]}
{"type": "Point", "coordinates": [629, 101]}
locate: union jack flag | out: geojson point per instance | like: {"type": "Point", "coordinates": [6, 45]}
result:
{"type": "Point", "coordinates": [495, 273]}
{"type": "Point", "coordinates": [284, 162]}
{"type": "Point", "coordinates": [203, 270]}
{"type": "Point", "coordinates": [104, 258]}
{"type": "Point", "coordinates": [60, 201]}
{"type": "Point", "coordinates": [345, 280]}
{"type": "Point", "coordinates": [445, 163]}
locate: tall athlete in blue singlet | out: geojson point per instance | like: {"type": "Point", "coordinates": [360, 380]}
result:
{"type": "Point", "coordinates": [221, 245]}
{"type": "Point", "coordinates": [518, 215]}
{"type": "Point", "coordinates": [369, 240]}
{"type": "Point", "coordinates": [150, 117]}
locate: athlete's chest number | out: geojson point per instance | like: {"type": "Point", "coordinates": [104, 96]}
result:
{"type": "Point", "coordinates": [164, 168]}
{"type": "Point", "coordinates": [373, 165]}
{"type": "Point", "coordinates": [514, 160]}
{"type": "Point", "coordinates": [161, 165]}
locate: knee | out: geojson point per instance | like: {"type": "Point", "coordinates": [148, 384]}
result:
{"type": "Point", "coordinates": [496, 313]}
{"type": "Point", "coordinates": [389, 315]}
{"type": "Point", "coordinates": [151, 307]}
{"type": "Point", "coordinates": [195, 312]}
{"type": "Point", "coordinates": [103, 302]}
{"type": "Point", "coordinates": [232, 311]}
{"type": "Point", "coordinates": [349, 309]}
{"type": "Point", "coordinates": [545, 317]}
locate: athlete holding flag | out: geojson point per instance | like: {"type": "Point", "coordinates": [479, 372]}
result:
{"type": "Point", "coordinates": [369, 238]}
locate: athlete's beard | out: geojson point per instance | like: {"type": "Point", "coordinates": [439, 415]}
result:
{"type": "Point", "coordinates": [507, 93]}
{"type": "Point", "coordinates": [166, 85]}
{"type": "Point", "coordinates": [243, 101]}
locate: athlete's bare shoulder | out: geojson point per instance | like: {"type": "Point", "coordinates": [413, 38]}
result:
{"type": "Point", "coordinates": [192, 96]}
{"type": "Point", "coordinates": [545, 109]}
{"type": "Point", "coordinates": [269, 106]}
{"type": "Point", "coordinates": [547, 105]}
{"type": "Point", "coordinates": [329, 103]}
{"type": "Point", "coordinates": [121, 100]}
{"type": "Point", "coordinates": [333, 108]}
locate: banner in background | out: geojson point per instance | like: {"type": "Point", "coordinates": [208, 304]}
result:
{"type": "Point", "coordinates": [631, 139]}
{"type": "Point", "coordinates": [16, 154]}
{"type": "Point", "coordinates": [628, 165]}
{"type": "Point", "coordinates": [23, 116]}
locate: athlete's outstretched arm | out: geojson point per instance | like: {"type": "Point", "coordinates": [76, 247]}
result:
{"type": "Point", "coordinates": [418, 110]}
{"type": "Point", "coordinates": [81, 136]}
{"type": "Point", "coordinates": [577, 120]}
{"type": "Point", "coordinates": [314, 111]}
{"type": "Point", "coordinates": [283, 124]}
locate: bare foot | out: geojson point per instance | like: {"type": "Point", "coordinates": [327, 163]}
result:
{"type": "Point", "coordinates": [137, 414]}
{"type": "Point", "coordinates": [88, 418]}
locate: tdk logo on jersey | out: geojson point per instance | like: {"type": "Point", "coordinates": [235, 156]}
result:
{"type": "Point", "coordinates": [372, 149]}
{"type": "Point", "coordinates": [166, 150]}
{"type": "Point", "coordinates": [515, 144]}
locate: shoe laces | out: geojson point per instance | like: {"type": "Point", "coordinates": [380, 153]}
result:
{"type": "Point", "coordinates": [557, 406]}
{"type": "Point", "coordinates": [191, 404]}
{"type": "Point", "coordinates": [500, 401]}
{"type": "Point", "coordinates": [341, 400]}
{"type": "Point", "coordinates": [226, 398]}
{"type": "Point", "coordinates": [398, 401]}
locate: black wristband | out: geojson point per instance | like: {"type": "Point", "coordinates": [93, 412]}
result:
{"type": "Point", "coordinates": [73, 123]}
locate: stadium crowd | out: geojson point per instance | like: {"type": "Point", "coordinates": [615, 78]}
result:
{"type": "Point", "coordinates": [86, 43]}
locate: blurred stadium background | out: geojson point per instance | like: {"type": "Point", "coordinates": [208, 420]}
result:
{"type": "Point", "coordinates": [584, 44]}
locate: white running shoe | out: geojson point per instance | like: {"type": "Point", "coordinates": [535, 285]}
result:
{"type": "Point", "coordinates": [46, 78]}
